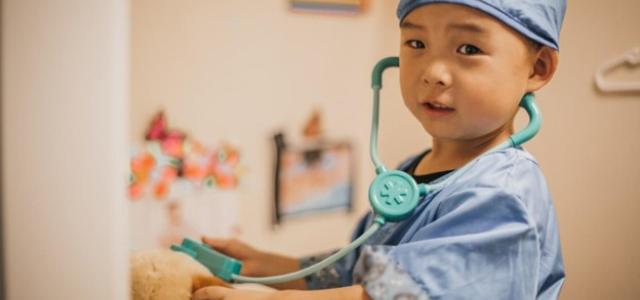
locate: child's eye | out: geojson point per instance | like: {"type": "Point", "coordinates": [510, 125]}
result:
{"type": "Point", "coordinates": [469, 49]}
{"type": "Point", "coordinates": [415, 44]}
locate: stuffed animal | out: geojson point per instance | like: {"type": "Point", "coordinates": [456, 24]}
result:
{"type": "Point", "coordinates": [167, 275]}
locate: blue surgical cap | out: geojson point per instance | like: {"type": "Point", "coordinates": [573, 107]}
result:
{"type": "Point", "coordinates": [539, 20]}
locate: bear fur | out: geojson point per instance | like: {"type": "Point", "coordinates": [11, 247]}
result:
{"type": "Point", "coordinates": [167, 275]}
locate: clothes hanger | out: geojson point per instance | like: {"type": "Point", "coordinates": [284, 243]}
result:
{"type": "Point", "coordinates": [631, 58]}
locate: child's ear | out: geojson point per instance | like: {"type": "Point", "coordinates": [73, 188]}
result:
{"type": "Point", "coordinates": [544, 66]}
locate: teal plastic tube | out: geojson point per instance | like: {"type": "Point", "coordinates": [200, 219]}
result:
{"type": "Point", "coordinates": [376, 85]}
{"type": "Point", "coordinates": [373, 141]}
{"type": "Point", "coordinates": [376, 75]}
{"type": "Point", "coordinates": [535, 121]}
{"type": "Point", "coordinates": [316, 267]}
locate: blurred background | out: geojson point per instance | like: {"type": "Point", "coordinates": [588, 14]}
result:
{"type": "Point", "coordinates": [83, 83]}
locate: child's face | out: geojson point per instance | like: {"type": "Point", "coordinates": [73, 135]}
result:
{"type": "Point", "coordinates": [462, 73]}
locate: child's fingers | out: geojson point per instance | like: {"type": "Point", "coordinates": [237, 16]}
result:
{"type": "Point", "coordinates": [211, 293]}
{"type": "Point", "coordinates": [216, 243]}
{"type": "Point", "coordinates": [230, 247]}
{"type": "Point", "coordinates": [225, 246]}
{"type": "Point", "coordinates": [201, 281]}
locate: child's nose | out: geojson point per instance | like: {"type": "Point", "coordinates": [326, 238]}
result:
{"type": "Point", "coordinates": [436, 74]}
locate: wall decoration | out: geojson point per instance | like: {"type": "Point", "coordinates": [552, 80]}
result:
{"type": "Point", "coordinates": [329, 6]}
{"type": "Point", "coordinates": [312, 177]}
{"type": "Point", "coordinates": [180, 188]}
{"type": "Point", "coordinates": [170, 164]}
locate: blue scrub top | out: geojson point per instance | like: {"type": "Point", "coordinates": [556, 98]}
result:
{"type": "Point", "coordinates": [489, 234]}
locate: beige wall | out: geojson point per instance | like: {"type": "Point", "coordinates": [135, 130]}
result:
{"type": "Point", "coordinates": [64, 121]}
{"type": "Point", "coordinates": [589, 151]}
{"type": "Point", "coordinates": [240, 70]}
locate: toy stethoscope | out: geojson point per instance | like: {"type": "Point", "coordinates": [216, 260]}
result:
{"type": "Point", "coordinates": [393, 196]}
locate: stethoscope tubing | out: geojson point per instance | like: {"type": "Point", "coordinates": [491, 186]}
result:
{"type": "Point", "coordinates": [515, 140]}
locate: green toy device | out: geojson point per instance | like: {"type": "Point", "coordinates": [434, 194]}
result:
{"type": "Point", "coordinates": [218, 264]}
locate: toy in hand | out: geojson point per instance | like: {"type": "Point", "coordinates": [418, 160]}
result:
{"type": "Point", "coordinates": [167, 275]}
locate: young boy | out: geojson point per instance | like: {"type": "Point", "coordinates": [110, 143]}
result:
{"type": "Point", "coordinates": [490, 234]}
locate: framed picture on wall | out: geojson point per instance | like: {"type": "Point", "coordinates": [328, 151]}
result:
{"type": "Point", "coordinates": [312, 179]}
{"type": "Point", "coordinates": [348, 7]}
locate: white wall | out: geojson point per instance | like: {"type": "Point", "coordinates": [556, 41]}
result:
{"type": "Point", "coordinates": [64, 121]}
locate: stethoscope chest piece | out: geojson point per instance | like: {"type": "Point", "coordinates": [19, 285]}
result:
{"type": "Point", "coordinates": [394, 195]}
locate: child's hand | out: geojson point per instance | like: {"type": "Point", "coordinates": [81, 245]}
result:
{"type": "Point", "coordinates": [254, 262]}
{"type": "Point", "coordinates": [221, 293]}
{"type": "Point", "coordinates": [257, 263]}
{"type": "Point", "coordinates": [201, 281]}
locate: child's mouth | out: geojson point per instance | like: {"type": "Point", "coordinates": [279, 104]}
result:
{"type": "Point", "coordinates": [437, 109]}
